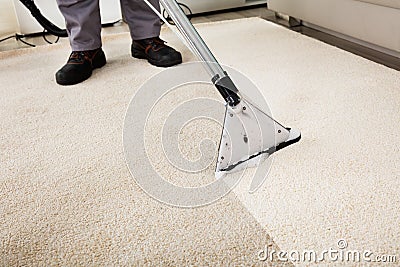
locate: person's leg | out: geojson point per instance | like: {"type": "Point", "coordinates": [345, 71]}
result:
{"type": "Point", "coordinates": [83, 23]}
{"type": "Point", "coordinates": [142, 21]}
{"type": "Point", "coordinates": [145, 26]}
{"type": "Point", "coordinates": [82, 19]}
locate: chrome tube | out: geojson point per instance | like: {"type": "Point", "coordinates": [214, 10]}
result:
{"type": "Point", "coordinates": [193, 39]}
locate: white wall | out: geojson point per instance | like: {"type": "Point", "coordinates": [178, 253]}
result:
{"type": "Point", "coordinates": [8, 20]}
{"type": "Point", "coordinates": [372, 24]}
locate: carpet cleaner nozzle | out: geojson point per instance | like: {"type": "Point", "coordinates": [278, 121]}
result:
{"type": "Point", "coordinates": [249, 136]}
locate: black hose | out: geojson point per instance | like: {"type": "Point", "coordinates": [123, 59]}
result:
{"type": "Point", "coordinates": [189, 13]}
{"type": "Point", "coordinates": [45, 23]}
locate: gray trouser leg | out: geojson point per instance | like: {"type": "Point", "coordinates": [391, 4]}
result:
{"type": "Point", "coordinates": [82, 18]}
{"type": "Point", "coordinates": [143, 22]}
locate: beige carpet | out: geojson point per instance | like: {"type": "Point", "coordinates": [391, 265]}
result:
{"type": "Point", "coordinates": [67, 197]}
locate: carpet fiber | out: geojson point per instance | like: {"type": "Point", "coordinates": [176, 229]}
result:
{"type": "Point", "coordinates": [67, 197]}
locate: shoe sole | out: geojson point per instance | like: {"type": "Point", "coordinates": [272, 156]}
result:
{"type": "Point", "coordinates": [62, 81]}
{"type": "Point", "coordinates": [158, 63]}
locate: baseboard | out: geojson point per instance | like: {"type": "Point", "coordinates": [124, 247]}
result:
{"type": "Point", "coordinates": [354, 40]}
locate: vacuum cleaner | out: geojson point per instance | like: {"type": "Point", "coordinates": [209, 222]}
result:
{"type": "Point", "coordinates": [246, 138]}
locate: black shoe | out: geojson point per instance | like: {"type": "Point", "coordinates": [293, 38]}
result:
{"type": "Point", "coordinates": [80, 66]}
{"type": "Point", "coordinates": [156, 52]}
